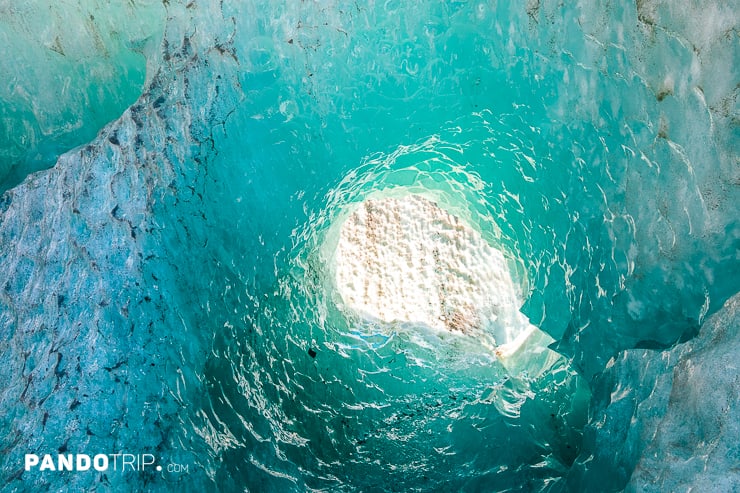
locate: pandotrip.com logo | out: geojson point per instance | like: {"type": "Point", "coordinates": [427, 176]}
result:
{"type": "Point", "coordinates": [120, 462]}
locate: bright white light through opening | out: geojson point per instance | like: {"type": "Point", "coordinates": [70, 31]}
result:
{"type": "Point", "coordinates": [407, 260]}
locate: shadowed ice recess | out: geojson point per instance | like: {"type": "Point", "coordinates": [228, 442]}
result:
{"type": "Point", "coordinates": [380, 246]}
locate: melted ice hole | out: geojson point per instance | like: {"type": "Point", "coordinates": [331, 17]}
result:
{"type": "Point", "coordinates": [407, 260]}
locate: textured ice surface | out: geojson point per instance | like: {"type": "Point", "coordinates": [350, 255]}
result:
{"type": "Point", "coordinates": [696, 442]}
{"type": "Point", "coordinates": [89, 290]}
{"type": "Point", "coordinates": [163, 289]}
{"type": "Point", "coordinates": [406, 260]}
{"type": "Point", "coordinates": [695, 445]}
{"type": "Point", "coordinates": [68, 68]}
{"type": "Point", "coordinates": [670, 420]}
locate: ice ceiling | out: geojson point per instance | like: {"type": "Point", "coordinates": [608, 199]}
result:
{"type": "Point", "coordinates": [174, 175]}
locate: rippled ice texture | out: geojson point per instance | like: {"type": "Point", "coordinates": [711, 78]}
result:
{"type": "Point", "coordinates": [162, 289]}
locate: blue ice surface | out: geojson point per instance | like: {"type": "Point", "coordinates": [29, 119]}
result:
{"type": "Point", "coordinates": [163, 289]}
{"type": "Point", "coordinates": [69, 69]}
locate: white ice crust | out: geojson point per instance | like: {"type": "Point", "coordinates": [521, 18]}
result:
{"type": "Point", "coordinates": [407, 260]}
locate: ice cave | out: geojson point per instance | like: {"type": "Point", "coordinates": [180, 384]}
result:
{"type": "Point", "coordinates": [475, 246]}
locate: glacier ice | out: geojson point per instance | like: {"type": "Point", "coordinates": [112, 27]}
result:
{"type": "Point", "coordinates": [162, 288]}
{"type": "Point", "coordinates": [679, 430]}
{"type": "Point", "coordinates": [70, 68]}
{"type": "Point", "coordinates": [695, 441]}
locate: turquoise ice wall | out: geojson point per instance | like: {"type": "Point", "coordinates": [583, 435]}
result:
{"type": "Point", "coordinates": [163, 289]}
{"type": "Point", "coordinates": [69, 68]}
